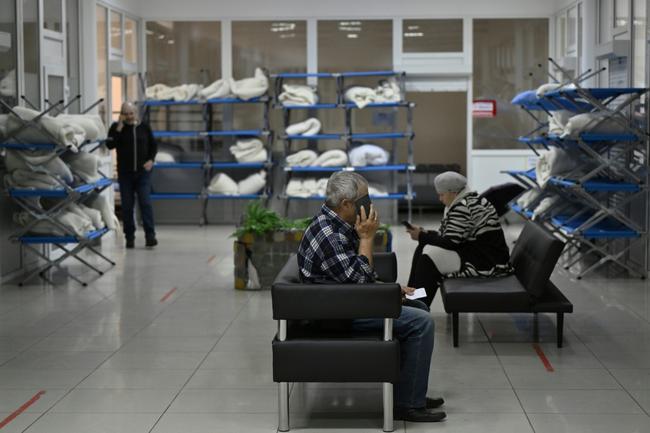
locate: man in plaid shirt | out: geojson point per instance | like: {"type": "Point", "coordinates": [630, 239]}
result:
{"type": "Point", "coordinates": [337, 248]}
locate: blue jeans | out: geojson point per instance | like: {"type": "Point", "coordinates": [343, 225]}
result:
{"type": "Point", "coordinates": [132, 183]}
{"type": "Point", "coordinates": [414, 330]}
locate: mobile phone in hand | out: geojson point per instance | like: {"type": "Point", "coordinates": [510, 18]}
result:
{"type": "Point", "coordinates": [408, 225]}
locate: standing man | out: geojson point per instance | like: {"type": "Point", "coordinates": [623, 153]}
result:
{"type": "Point", "coordinates": [136, 151]}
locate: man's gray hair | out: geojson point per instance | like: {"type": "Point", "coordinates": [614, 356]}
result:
{"type": "Point", "coordinates": [343, 185]}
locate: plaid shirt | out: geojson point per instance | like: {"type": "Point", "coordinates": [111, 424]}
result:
{"type": "Point", "coordinates": [328, 252]}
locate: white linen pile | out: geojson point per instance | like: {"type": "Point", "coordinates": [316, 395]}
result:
{"type": "Point", "coordinates": [249, 88]}
{"type": "Point", "coordinates": [386, 91]}
{"type": "Point", "coordinates": [592, 122]}
{"type": "Point", "coordinates": [52, 129]}
{"type": "Point", "coordinates": [311, 126]}
{"type": "Point", "coordinates": [44, 162]}
{"type": "Point", "coordinates": [216, 90]}
{"type": "Point", "coordinates": [249, 150]}
{"type": "Point", "coordinates": [83, 164]}
{"type": "Point", "coordinates": [91, 124]}
{"type": "Point", "coordinates": [184, 92]}
{"type": "Point", "coordinates": [553, 162]}
{"type": "Point", "coordinates": [8, 84]}
{"type": "Point", "coordinates": [550, 87]}
{"type": "Point", "coordinates": [527, 199]}
{"type": "Point", "coordinates": [164, 157]}
{"type": "Point", "coordinates": [307, 187]}
{"type": "Point", "coordinates": [297, 95]}
{"type": "Point", "coordinates": [221, 183]}
{"type": "Point", "coordinates": [78, 223]}
{"type": "Point", "coordinates": [301, 158]}
{"type": "Point", "coordinates": [544, 206]}
{"type": "Point", "coordinates": [101, 203]}
{"type": "Point", "coordinates": [377, 190]}
{"type": "Point", "coordinates": [331, 158]}
{"type": "Point", "coordinates": [368, 154]}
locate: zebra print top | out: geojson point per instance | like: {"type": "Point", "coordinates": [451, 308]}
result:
{"type": "Point", "coordinates": [472, 226]}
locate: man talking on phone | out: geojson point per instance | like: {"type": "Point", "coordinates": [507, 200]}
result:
{"type": "Point", "coordinates": [337, 248]}
{"type": "Point", "coordinates": [136, 151]}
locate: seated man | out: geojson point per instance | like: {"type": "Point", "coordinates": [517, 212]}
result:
{"type": "Point", "coordinates": [470, 242]}
{"type": "Point", "coordinates": [337, 248]}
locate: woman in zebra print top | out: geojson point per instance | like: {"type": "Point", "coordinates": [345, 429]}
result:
{"type": "Point", "coordinates": [469, 243]}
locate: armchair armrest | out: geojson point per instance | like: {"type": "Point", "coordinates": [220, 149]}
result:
{"type": "Point", "coordinates": [385, 266]}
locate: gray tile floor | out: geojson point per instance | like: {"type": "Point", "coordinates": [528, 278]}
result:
{"type": "Point", "coordinates": [116, 357]}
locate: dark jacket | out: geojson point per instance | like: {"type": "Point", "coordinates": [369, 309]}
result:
{"type": "Point", "coordinates": [135, 145]}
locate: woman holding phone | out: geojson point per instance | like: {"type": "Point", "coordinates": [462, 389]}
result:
{"type": "Point", "coordinates": [136, 150]}
{"type": "Point", "coordinates": [469, 243]}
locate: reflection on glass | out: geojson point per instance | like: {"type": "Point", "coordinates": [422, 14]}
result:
{"type": "Point", "coordinates": [8, 89]}
{"type": "Point", "coordinates": [116, 30]}
{"type": "Point", "coordinates": [183, 52]}
{"type": "Point", "coordinates": [279, 46]}
{"type": "Point", "coordinates": [561, 35]}
{"type": "Point", "coordinates": [572, 29]}
{"type": "Point", "coordinates": [432, 36]}
{"type": "Point", "coordinates": [55, 90]}
{"type": "Point", "coordinates": [102, 56]}
{"type": "Point", "coordinates": [621, 13]}
{"type": "Point", "coordinates": [131, 40]}
{"type": "Point", "coordinates": [506, 55]}
{"type": "Point", "coordinates": [605, 21]}
{"type": "Point", "coordinates": [72, 39]}
{"type": "Point", "coordinates": [52, 15]}
{"type": "Point", "coordinates": [31, 53]}
{"type": "Point", "coordinates": [639, 30]}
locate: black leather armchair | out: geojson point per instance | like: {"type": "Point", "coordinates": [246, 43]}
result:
{"type": "Point", "coordinates": [315, 343]}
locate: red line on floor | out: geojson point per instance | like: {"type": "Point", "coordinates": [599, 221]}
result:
{"type": "Point", "coordinates": [21, 409]}
{"type": "Point", "coordinates": [543, 358]}
{"type": "Point", "coordinates": [211, 258]}
{"type": "Point", "coordinates": [168, 294]}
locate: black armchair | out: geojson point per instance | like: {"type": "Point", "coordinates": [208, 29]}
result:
{"type": "Point", "coordinates": [315, 344]}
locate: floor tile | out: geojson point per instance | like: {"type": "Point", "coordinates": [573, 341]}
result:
{"type": "Point", "coordinates": [475, 423]}
{"type": "Point", "coordinates": [591, 423]}
{"type": "Point", "coordinates": [137, 379]}
{"type": "Point", "coordinates": [231, 378]}
{"type": "Point", "coordinates": [560, 378]}
{"type": "Point", "coordinates": [217, 423]}
{"type": "Point", "coordinates": [11, 400]}
{"type": "Point", "coordinates": [94, 423]}
{"type": "Point", "coordinates": [155, 360]}
{"type": "Point", "coordinates": [225, 400]}
{"type": "Point", "coordinates": [578, 402]}
{"type": "Point", "coordinates": [20, 423]}
{"type": "Point", "coordinates": [116, 400]}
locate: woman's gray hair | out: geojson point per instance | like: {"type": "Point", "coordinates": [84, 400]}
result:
{"type": "Point", "coordinates": [343, 185]}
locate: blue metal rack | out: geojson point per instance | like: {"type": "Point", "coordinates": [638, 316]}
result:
{"type": "Point", "coordinates": [350, 136]}
{"type": "Point", "coordinates": [592, 212]}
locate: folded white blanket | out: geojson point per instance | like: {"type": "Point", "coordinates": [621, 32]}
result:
{"type": "Point", "coordinates": [550, 87]}
{"type": "Point", "coordinates": [85, 212]}
{"type": "Point", "coordinates": [83, 164]}
{"type": "Point", "coordinates": [253, 183]}
{"type": "Point", "coordinates": [321, 186]}
{"type": "Point", "coordinates": [58, 130]}
{"type": "Point", "coordinates": [361, 96]}
{"type": "Point", "coordinates": [295, 189]}
{"type": "Point", "coordinates": [368, 154]}
{"type": "Point", "coordinates": [221, 183]}
{"type": "Point", "coordinates": [27, 179]}
{"type": "Point", "coordinates": [78, 224]}
{"type": "Point", "coordinates": [311, 126]}
{"type": "Point", "coordinates": [587, 122]}
{"type": "Point", "coordinates": [557, 121]}
{"type": "Point", "coordinates": [3, 126]}
{"type": "Point", "coordinates": [43, 162]}
{"type": "Point", "coordinates": [100, 202]}
{"type": "Point", "coordinates": [553, 162]}
{"type": "Point", "coordinates": [250, 150]}
{"type": "Point", "coordinates": [527, 199]}
{"type": "Point", "coordinates": [544, 206]}
{"type": "Point", "coordinates": [218, 89]}
{"type": "Point", "coordinates": [375, 189]}
{"type": "Point", "coordinates": [331, 158]}
{"type": "Point", "coordinates": [164, 157]}
{"type": "Point", "coordinates": [184, 92]}
{"type": "Point", "coordinates": [250, 88]}
{"type": "Point", "coordinates": [302, 158]}
{"type": "Point", "coordinates": [388, 91]}
{"type": "Point", "coordinates": [297, 94]}
{"type": "Point", "coordinates": [8, 84]}
{"type": "Point", "coordinates": [91, 124]}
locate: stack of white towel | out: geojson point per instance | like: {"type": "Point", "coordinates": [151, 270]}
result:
{"type": "Point", "coordinates": [330, 158]}
{"type": "Point", "coordinates": [36, 170]}
{"type": "Point", "coordinates": [221, 183]}
{"type": "Point", "coordinates": [368, 154]}
{"type": "Point", "coordinates": [250, 150]}
{"type": "Point", "coordinates": [538, 202]}
{"type": "Point", "coordinates": [309, 187]}
{"type": "Point", "coordinates": [78, 218]}
{"type": "Point", "coordinates": [386, 91]}
{"type": "Point", "coordinates": [69, 130]}
{"type": "Point", "coordinates": [553, 162]}
{"type": "Point", "coordinates": [247, 88]}
{"type": "Point", "coordinates": [298, 95]}
{"type": "Point", "coordinates": [311, 126]}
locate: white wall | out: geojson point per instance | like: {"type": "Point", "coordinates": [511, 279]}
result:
{"type": "Point", "coordinates": [260, 9]}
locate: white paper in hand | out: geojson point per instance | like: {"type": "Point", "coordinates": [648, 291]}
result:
{"type": "Point", "coordinates": [417, 294]}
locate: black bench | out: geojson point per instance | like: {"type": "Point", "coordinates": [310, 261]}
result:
{"type": "Point", "coordinates": [314, 344]}
{"type": "Point", "coordinates": [529, 290]}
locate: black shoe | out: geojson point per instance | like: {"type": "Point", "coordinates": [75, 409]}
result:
{"type": "Point", "coordinates": [434, 403]}
{"type": "Point", "coordinates": [130, 244]}
{"type": "Point", "coordinates": [417, 415]}
{"type": "Point", "coordinates": [151, 242]}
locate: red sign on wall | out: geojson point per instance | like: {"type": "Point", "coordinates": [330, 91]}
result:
{"type": "Point", "coordinates": [484, 108]}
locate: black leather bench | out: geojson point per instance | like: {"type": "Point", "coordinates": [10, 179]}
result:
{"type": "Point", "coordinates": [529, 290]}
{"type": "Point", "coordinates": [314, 343]}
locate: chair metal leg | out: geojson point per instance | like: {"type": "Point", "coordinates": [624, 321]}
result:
{"type": "Point", "coordinates": [388, 406]}
{"type": "Point", "coordinates": [560, 329]}
{"type": "Point", "coordinates": [283, 406]}
{"type": "Point", "coordinates": [454, 327]}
